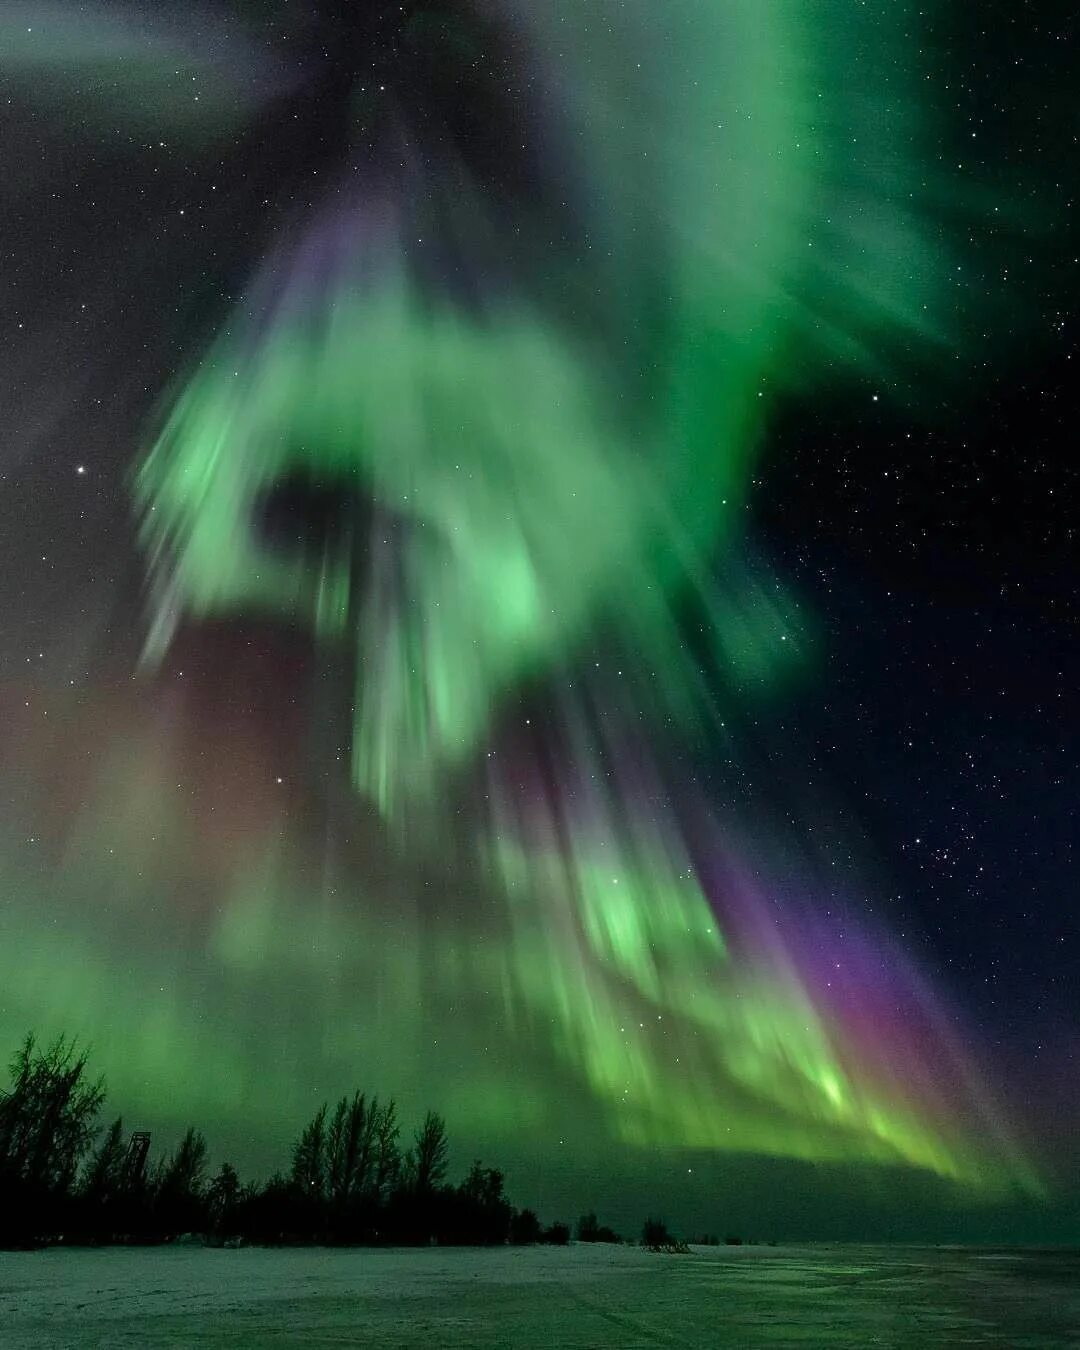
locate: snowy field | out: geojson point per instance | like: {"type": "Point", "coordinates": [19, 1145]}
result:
{"type": "Point", "coordinates": [524, 1297]}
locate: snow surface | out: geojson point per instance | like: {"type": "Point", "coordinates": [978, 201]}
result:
{"type": "Point", "coordinates": [809, 1297]}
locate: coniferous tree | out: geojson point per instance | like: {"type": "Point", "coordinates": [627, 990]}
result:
{"type": "Point", "coordinates": [103, 1177]}
{"type": "Point", "coordinates": [104, 1203]}
{"type": "Point", "coordinates": [47, 1119]}
{"type": "Point", "coordinates": [180, 1182]}
{"type": "Point", "coordinates": [186, 1169]}
{"type": "Point", "coordinates": [47, 1116]}
{"type": "Point", "coordinates": [223, 1199]}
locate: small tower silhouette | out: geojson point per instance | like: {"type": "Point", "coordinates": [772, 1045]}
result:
{"type": "Point", "coordinates": [135, 1160]}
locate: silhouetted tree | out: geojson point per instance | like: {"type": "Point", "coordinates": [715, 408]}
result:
{"type": "Point", "coordinates": [103, 1191]}
{"type": "Point", "coordinates": [47, 1121]}
{"type": "Point", "coordinates": [657, 1238]}
{"type": "Point", "coordinates": [655, 1234]}
{"type": "Point", "coordinates": [309, 1158]}
{"type": "Point", "coordinates": [362, 1164]}
{"type": "Point", "coordinates": [103, 1176]}
{"type": "Point", "coordinates": [557, 1234]}
{"type": "Point", "coordinates": [525, 1228]}
{"type": "Point", "coordinates": [178, 1199]}
{"type": "Point", "coordinates": [480, 1213]}
{"type": "Point", "coordinates": [223, 1199]}
{"type": "Point", "coordinates": [590, 1229]}
{"type": "Point", "coordinates": [430, 1153]}
{"type": "Point", "coordinates": [274, 1213]}
{"type": "Point", "coordinates": [422, 1207]}
{"type": "Point", "coordinates": [387, 1161]}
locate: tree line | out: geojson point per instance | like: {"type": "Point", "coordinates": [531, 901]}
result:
{"type": "Point", "coordinates": [65, 1178]}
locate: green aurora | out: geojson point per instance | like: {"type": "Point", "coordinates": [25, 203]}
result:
{"type": "Point", "coordinates": [571, 455]}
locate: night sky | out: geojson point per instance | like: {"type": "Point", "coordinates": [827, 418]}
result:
{"type": "Point", "coordinates": [512, 575]}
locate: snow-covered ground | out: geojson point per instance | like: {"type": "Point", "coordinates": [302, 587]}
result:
{"type": "Point", "coordinates": [903, 1298]}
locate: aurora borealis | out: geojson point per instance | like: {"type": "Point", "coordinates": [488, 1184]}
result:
{"type": "Point", "coordinates": [419, 727]}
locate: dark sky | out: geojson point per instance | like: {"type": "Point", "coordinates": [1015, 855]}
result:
{"type": "Point", "coordinates": [939, 539]}
{"type": "Point", "coordinates": [925, 516]}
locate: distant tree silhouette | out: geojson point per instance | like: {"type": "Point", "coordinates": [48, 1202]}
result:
{"type": "Point", "coordinates": [557, 1235]}
{"type": "Point", "coordinates": [525, 1228]}
{"type": "Point", "coordinates": [223, 1196]}
{"type": "Point", "coordinates": [589, 1229]}
{"type": "Point", "coordinates": [271, 1214]}
{"type": "Point", "coordinates": [655, 1234]}
{"type": "Point", "coordinates": [657, 1238]}
{"type": "Point", "coordinates": [481, 1213]}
